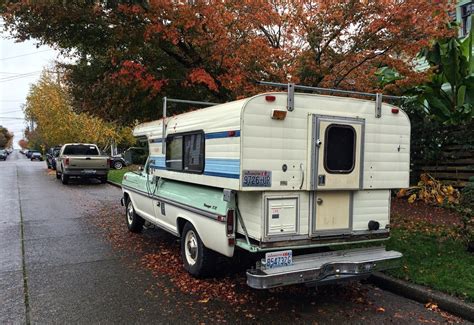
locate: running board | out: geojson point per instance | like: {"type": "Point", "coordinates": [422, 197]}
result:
{"type": "Point", "coordinates": [320, 268]}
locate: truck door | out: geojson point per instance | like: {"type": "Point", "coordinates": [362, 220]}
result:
{"type": "Point", "coordinates": [336, 172]}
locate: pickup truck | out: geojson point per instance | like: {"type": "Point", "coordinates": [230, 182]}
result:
{"type": "Point", "coordinates": [81, 160]}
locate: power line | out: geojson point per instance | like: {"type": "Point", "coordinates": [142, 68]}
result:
{"type": "Point", "coordinates": [11, 118]}
{"type": "Point", "coordinates": [26, 54]}
{"type": "Point", "coordinates": [7, 79]}
{"type": "Point", "coordinates": [8, 112]}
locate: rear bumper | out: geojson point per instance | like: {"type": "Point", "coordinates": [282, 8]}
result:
{"type": "Point", "coordinates": [83, 173]}
{"type": "Point", "coordinates": [320, 268]}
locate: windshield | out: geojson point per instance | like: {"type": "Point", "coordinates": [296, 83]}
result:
{"type": "Point", "coordinates": [81, 150]}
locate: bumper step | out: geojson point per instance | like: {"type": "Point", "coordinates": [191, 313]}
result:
{"type": "Point", "coordinates": [325, 267]}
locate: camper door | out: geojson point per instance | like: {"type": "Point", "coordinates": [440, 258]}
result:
{"type": "Point", "coordinates": [336, 172]}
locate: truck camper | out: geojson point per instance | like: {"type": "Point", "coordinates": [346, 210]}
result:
{"type": "Point", "coordinates": [274, 175]}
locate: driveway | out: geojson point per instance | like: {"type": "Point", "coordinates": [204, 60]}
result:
{"type": "Point", "coordinates": [66, 257]}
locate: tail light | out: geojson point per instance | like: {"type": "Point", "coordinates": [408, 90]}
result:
{"type": "Point", "coordinates": [109, 162]}
{"type": "Point", "coordinates": [230, 223]}
{"type": "Point", "coordinates": [66, 161]}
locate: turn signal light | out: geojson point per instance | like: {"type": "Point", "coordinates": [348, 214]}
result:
{"type": "Point", "coordinates": [66, 162]}
{"type": "Point", "coordinates": [395, 110]}
{"type": "Point", "coordinates": [230, 223]}
{"type": "Point", "coordinates": [278, 114]}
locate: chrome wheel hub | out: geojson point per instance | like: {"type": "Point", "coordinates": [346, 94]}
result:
{"type": "Point", "coordinates": [130, 213]}
{"type": "Point", "coordinates": [191, 249]}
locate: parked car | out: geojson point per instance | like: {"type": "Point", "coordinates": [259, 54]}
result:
{"type": "Point", "coordinates": [81, 160]}
{"type": "Point", "coordinates": [36, 155]}
{"type": "Point", "coordinates": [51, 156]}
{"type": "Point", "coordinates": [117, 162]}
{"type": "Point", "coordinates": [3, 155]}
{"type": "Point", "coordinates": [28, 153]}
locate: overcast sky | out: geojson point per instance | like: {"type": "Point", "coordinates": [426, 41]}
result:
{"type": "Point", "coordinates": [20, 66]}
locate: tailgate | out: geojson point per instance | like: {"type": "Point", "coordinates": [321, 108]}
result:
{"type": "Point", "coordinates": [92, 162]}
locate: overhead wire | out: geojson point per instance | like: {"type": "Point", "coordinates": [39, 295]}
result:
{"type": "Point", "coordinates": [26, 54]}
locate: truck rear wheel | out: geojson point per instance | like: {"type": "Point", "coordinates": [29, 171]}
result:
{"type": "Point", "coordinates": [197, 259]}
{"type": "Point", "coordinates": [64, 179]}
{"type": "Point", "coordinates": [134, 221]}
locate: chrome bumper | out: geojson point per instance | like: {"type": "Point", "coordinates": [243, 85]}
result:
{"type": "Point", "coordinates": [324, 267]}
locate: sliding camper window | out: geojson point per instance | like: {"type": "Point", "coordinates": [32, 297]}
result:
{"type": "Point", "coordinates": [339, 149]}
{"type": "Point", "coordinates": [185, 152]}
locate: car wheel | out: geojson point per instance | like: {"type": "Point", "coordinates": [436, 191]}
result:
{"type": "Point", "coordinates": [103, 180]}
{"type": "Point", "coordinates": [47, 165]}
{"type": "Point", "coordinates": [134, 221]}
{"type": "Point", "coordinates": [64, 179]}
{"type": "Point", "coordinates": [197, 259]}
{"type": "Point", "coordinates": [58, 175]}
{"type": "Point", "coordinates": [118, 165]}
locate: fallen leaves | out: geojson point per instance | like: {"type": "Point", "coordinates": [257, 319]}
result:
{"type": "Point", "coordinates": [430, 190]}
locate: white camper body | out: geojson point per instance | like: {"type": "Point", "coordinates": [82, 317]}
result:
{"type": "Point", "coordinates": [317, 175]}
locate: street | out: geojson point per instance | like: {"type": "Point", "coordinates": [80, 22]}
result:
{"type": "Point", "coordinates": [66, 257]}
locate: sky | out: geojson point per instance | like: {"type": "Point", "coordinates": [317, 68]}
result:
{"type": "Point", "coordinates": [20, 66]}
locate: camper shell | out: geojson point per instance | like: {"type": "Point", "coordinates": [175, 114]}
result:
{"type": "Point", "coordinates": [315, 172]}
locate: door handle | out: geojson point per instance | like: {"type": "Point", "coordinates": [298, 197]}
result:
{"type": "Point", "coordinates": [319, 201]}
{"type": "Point", "coordinates": [158, 203]}
{"type": "Point", "coordinates": [302, 176]}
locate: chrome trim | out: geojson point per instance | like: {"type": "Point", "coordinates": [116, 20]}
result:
{"type": "Point", "coordinates": [323, 267]}
{"type": "Point", "coordinates": [177, 204]}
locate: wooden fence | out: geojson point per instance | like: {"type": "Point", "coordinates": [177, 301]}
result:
{"type": "Point", "coordinates": [454, 166]}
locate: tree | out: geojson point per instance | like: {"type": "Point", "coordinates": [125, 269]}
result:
{"type": "Point", "coordinates": [449, 94]}
{"type": "Point", "coordinates": [23, 143]}
{"type": "Point", "coordinates": [129, 55]}
{"type": "Point", "coordinates": [6, 137]}
{"type": "Point", "coordinates": [48, 105]}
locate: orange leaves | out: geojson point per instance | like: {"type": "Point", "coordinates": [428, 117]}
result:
{"type": "Point", "coordinates": [132, 72]}
{"type": "Point", "coordinates": [432, 191]}
{"type": "Point", "coordinates": [200, 76]}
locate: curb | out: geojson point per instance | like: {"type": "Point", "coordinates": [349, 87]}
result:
{"type": "Point", "coordinates": [424, 295]}
{"type": "Point", "coordinates": [114, 184]}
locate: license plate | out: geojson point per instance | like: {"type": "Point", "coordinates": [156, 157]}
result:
{"type": "Point", "coordinates": [89, 171]}
{"type": "Point", "coordinates": [278, 259]}
{"type": "Point", "coordinates": [257, 178]}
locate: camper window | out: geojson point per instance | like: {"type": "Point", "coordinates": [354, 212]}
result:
{"type": "Point", "coordinates": [174, 152]}
{"type": "Point", "coordinates": [185, 152]}
{"type": "Point", "coordinates": [339, 149]}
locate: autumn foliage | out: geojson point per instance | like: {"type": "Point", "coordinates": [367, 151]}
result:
{"type": "Point", "coordinates": [48, 105]}
{"type": "Point", "coordinates": [129, 55]}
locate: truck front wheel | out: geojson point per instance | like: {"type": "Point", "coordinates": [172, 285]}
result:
{"type": "Point", "coordinates": [134, 221]}
{"type": "Point", "coordinates": [197, 259]}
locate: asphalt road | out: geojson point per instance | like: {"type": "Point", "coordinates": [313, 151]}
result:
{"type": "Point", "coordinates": [62, 260]}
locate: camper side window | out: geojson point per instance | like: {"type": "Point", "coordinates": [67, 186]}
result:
{"type": "Point", "coordinates": [185, 152]}
{"type": "Point", "coordinates": [339, 149]}
{"type": "Point", "coordinates": [174, 152]}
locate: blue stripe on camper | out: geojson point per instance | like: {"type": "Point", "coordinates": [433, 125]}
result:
{"type": "Point", "coordinates": [229, 168]}
{"type": "Point", "coordinates": [223, 134]}
{"type": "Point", "coordinates": [219, 167]}
{"type": "Point", "coordinates": [157, 140]}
